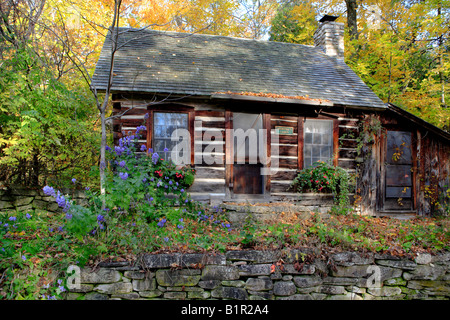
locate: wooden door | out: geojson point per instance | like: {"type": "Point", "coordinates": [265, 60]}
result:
{"type": "Point", "coordinates": [398, 191]}
{"type": "Point", "coordinates": [247, 178]}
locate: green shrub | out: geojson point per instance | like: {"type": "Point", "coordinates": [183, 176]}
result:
{"type": "Point", "coordinates": [323, 177]}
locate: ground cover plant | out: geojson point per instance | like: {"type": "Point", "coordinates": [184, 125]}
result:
{"type": "Point", "coordinates": [146, 209]}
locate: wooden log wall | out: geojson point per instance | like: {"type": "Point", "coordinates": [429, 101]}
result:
{"type": "Point", "coordinates": [433, 176]}
{"type": "Point", "coordinates": [287, 157]}
{"type": "Point", "coordinates": [290, 148]}
{"type": "Point", "coordinates": [210, 177]}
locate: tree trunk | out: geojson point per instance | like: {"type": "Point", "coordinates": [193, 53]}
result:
{"type": "Point", "coordinates": [103, 154]}
{"type": "Point", "coordinates": [351, 18]}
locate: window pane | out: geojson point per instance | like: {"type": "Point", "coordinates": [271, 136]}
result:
{"type": "Point", "coordinates": [399, 147]}
{"type": "Point", "coordinates": [317, 138]}
{"type": "Point", "coordinates": [308, 138]}
{"type": "Point", "coordinates": [318, 141]}
{"type": "Point", "coordinates": [165, 124]}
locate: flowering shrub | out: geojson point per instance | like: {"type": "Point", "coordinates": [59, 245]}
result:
{"type": "Point", "coordinates": [323, 177]}
{"type": "Point", "coordinates": [140, 185]}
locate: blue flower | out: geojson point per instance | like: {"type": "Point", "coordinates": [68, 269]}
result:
{"type": "Point", "coordinates": [6, 225]}
{"type": "Point", "coordinates": [49, 191]}
{"type": "Point", "coordinates": [155, 158]}
{"type": "Point", "coordinates": [143, 148]}
{"type": "Point", "coordinates": [100, 217]}
{"type": "Point", "coordinates": [119, 150]}
{"type": "Point", "coordinates": [12, 218]}
{"type": "Point", "coordinates": [74, 180]}
{"type": "Point", "coordinates": [24, 258]}
{"type": "Point", "coordinates": [122, 163]}
{"type": "Point", "coordinates": [140, 128]}
{"type": "Point", "coordinates": [182, 190]}
{"type": "Point", "coordinates": [123, 175]}
{"type": "Point", "coordinates": [27, 216]}
{"type": "Point", "coordinates": [170, 182]}
{"type": "Point", "coordinates": [166, 150]}
{"type": "Point", "coordinates": [161, 223]}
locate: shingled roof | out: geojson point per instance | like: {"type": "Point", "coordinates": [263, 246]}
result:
{"type": "Point", "coordinates": [151, 61]}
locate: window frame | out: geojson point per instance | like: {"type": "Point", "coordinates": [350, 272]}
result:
{"type": "Point", "coordinates": [171, 109]}
{"type": "Point", "coordinates": [301, 140]}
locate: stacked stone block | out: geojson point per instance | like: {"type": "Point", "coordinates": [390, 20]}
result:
{"type": "Point", "coordinates": [269, 275]}
{"type": "Point", "coordinates": [23, 199]}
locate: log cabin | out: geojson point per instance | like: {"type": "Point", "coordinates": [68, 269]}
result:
{"type": "Point", "coordinates": [308, 103]}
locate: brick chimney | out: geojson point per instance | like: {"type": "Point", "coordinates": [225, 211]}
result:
{"type": "Point", "coordinates": [330, 37]}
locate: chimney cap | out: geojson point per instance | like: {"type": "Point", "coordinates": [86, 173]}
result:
{"type": "Point", "coordinates": [328, 18]}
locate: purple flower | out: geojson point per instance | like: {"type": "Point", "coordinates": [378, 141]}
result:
{"type": "Point", "coordinates": [155, 158]}
{"type": "Point", "coordinates": [74, 180]}
{"type": "Point", "coordinates": [27, 216]}
{"type": "Point", "coordinates": [119, 150]}
{"type": "Point", "coordinates": [122, 163]}
{"type": "Point", "coordinates": [166, 239]}
{"type": "Point", "coordinates": [180, 226]}
{"type": "Point", "coordinates": [62, 202]}
{"type": "Point", "coordinates": [143, 148]}
{"type": "Point", "coordinates": [68, 216]}
{"type": "Point", "coordinates": [24, 258]}
{"type": "Point", "coordinates": [166, 150]}
{"type": "Point", "coordinates": [140, 128]}
{"type": "Point", "coordinates": [107, 148]}
{"type": "Point", "coordinates": [170, 182]}
{"type": "Point", "coordinates": [12, 218]}
{"type": "Point", "coordinates": [181, 220]}
{"type": "Point", "coordinates": [182, 190]}
{"type": "Point", "coordinates": [87, 188]}
{"type": "Point", "coordinates": [123, 175]}
{"type": "Point", "coordinates": [161, 223]}
{"type": "Point", "coordinates": [146, 116]}
{"type": "Point", "coordinates": [49, 191]}
{"type": "Point", "coordinates": [100, 217]}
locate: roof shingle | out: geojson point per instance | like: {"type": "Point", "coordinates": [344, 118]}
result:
{"type": "Point", "coordinates": [178, 63]}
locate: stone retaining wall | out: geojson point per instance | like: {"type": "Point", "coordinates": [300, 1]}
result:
{"type": "Point", "coordinates": [23, 199]}
{"type": "Point", "coordinates": [270, 275]}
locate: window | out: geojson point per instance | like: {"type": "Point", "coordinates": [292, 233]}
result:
{"type": "Point", "coordinates": [164, 124]}
{"type": "Point", "coordinates": [318, 141]}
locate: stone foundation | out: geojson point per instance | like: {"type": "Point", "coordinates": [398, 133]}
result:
{"type": "Point", "coordinates": [23, 199]}
{"type": "Point", "coordinates": [269, 275]}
